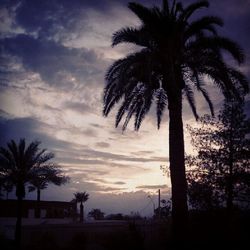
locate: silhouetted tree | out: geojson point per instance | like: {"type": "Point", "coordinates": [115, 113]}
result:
{"type": "Point", "coordinates": [45, 175]}
{"type": "Point", "coordinates": [221, 170]}
{"type": "Point", "coordinates": [176, 52]}
{"type": "Point", "coordinates": [19, 165]}
{"type": "Point", "coordinates": [7, 186]}
{"type": "Point", "coordinates": [97, 214]}
{"type": "Point", "coordinates": [81, 198]}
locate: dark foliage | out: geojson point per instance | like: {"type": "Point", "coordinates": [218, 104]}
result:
{"type": "Point", "coordinates": [219, 175]}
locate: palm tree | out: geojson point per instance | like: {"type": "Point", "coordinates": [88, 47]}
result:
{"type": "Point", "coordinates": [96, 214]}
{"type": "Point", "coordinates": [50, 173]}
{"type": "Point", "coordinates": [19, 164]}
{"type": "Point", "coordinates": [81, 197]}
{"type": "Point", "coordinates": [175, 55]}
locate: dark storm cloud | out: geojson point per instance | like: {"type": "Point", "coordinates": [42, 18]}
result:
{"type": "Point", "coordinates": [30, 129]}
{"type": "Point", "coordinates": [49, 16]}
{"type": "Point", "coordinates": [16, 128]}
{"type": "Point", "coordinates": [54, 62]}
{"type": "Point", "coordinates": [53, 18]}
{"type": "Point", "coordinates": [49, 20]}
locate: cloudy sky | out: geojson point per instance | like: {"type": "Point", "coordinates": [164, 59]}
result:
{"type": "Point", "coordinates": [54, 54]}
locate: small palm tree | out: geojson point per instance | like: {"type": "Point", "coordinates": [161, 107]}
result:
{"type": "Point", "coordinates": [176, 53]}
{"type": "Point", "coordinates": [96, 214]}
{"type": "Point", "coordinates": [50, 173]}
{"type": "Point", "coordinates": [19, 164]}
{"type": "Point", "coordinates": [81, 198]}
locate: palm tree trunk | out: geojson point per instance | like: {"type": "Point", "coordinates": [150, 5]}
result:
{"type": "Point", "coordinates": [177, 167]}
{"type": "Point", "coordinates": [81, 212]}
{"type": "Point", "coordinates": [18, 231]}
{"type": "Point", "coordinates": [38, 209]}
{"type": "Point", "coordinates": [20, 194]}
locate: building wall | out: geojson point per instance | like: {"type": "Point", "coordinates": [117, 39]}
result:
{"type": "Point", "coordinates": [49, 209]}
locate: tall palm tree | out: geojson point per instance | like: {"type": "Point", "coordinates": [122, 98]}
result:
{"type": "Point", "coordinates": [19, 164]}
{"type": "Point", "coordinates": [51, 173]}
{"type": "Point", "coordinates": [176, 53]}
{"type": "Point", "coordinates": [81, 198]}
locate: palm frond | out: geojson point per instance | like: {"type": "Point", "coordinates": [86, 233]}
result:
{"type": "Point", "coordinates": [165, 7]}
{"type": "Point", "coordinates": [13, 149]}
{"type": "Point", "coordinates": [161, 102]}
{"type": "Point", "coordinates": [32, 149]}
{"type": "Point", "coordinates": [190, 9]}
{"type": "Point", "coordinates": [199, 85]}
{"type": "Point", "coordinates": [173, 8]}
{"type": "Point", "coordinates": [132, 109]}
{"type": "Point", "coordinates": [133, 101]}
{"type": "Point", "coordinates": [43, 156]}
{"type": "Point", "coordinates": [110, 102]}
{"type": "Point", "coordinates": [139, 114]}
{"type": "Point", "coordinates": [203, 23]}
{"type": "Point", "coordinates": [123, 76]}
{"type": "Point", "coordinates": [190, 97]}
{"type": "Point", "coordinates": [6, 158]}
{"type": "Point", "coordinates": [142, 12]}
{"type": "Point", "coordinates": [143, 108]}
{"type": "Point", "coordinates": [131, 35]}
{"type": "Point", "coordinates": [221, 43]}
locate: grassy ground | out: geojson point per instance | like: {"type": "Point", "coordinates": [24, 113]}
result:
{"type": "Point", "coordinates": [206, 231]}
